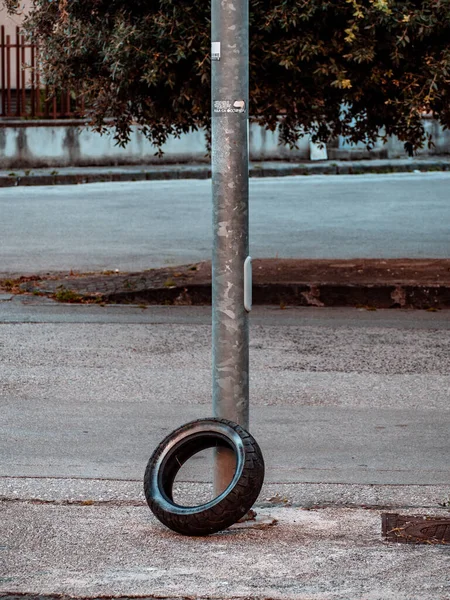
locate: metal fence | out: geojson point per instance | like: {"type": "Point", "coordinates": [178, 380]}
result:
{"type": "Point", "coordinates": [23, 94]}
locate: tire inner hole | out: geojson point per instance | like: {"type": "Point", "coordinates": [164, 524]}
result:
{"type": "Point", "coordinates": [194, 482]}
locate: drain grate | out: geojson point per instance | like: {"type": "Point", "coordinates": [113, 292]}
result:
{"type": "Point", "coordinates": [415, 529]}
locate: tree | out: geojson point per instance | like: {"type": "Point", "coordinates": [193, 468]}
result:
{"type": "Point", "coordinates": [322, 67]}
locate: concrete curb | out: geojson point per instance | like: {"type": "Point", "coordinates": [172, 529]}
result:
{"type": "Point", "coordinates": [78, 175]}
{"type": "Point", "coordinates": [370, 283]}
{"type": "Point", "coordinates": [371, 296]}
{"type": "Point", "coordinates": [300, 294]}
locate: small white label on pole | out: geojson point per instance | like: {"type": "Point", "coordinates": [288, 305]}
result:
{"type": "Point", "coordinates": [228, 106]}
{"type": "Point", "coordinates": [215, 50]}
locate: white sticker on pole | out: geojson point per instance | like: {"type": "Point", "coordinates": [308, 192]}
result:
{"type": "Point", "coordinates": [229, 106]}
{"type": "Point", "coordinates": [215, 50]}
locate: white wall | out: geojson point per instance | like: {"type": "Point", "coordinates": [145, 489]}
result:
{"type": "Point", "coordinates": [394, 147]}
{"type": "Point", "coordinates": [27, 145]}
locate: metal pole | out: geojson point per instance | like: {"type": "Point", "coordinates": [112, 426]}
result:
{"type": "Point", "coordinates": [229, 87]}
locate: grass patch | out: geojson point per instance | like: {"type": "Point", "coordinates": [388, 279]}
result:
{"type": "Point", "coordinates": [65, 295]}
{"type": "Point", "coordinates": [14, 285]}
{"type": "Point", "coordinates": [8, 284]}
{"type": "Point", "coordinates": [11, 285]}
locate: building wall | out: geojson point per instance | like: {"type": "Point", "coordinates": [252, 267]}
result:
{"type": "Point", "coordinates": [11, 22]}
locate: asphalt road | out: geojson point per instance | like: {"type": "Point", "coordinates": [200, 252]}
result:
{"type": "Point", "coordinates": [340, 396]}
{"type": "Point", "coordinates": [133, 226]}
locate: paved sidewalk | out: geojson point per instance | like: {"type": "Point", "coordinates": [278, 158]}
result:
{"type": "Point", "coordinates": [76, 175]}
{"type": "Point", "coordinates": [371, 283]}
{"type": "Point", "coordinates": [91, 539]}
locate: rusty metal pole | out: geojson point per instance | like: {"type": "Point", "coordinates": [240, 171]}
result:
{"type": "Point", "coordinates": [229, 91]}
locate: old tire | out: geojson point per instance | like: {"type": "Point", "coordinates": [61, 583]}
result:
{"type": "Point", "coordinates": [224, 510]}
